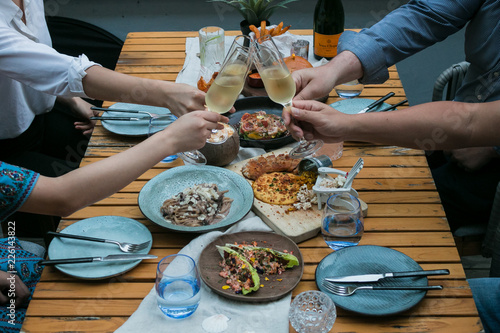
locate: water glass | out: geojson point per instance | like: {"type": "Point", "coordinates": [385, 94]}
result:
{"type": "Point", "coordinates": [349, 89]}
{"type": "Point", "coordinates": [332, 150]}
{"type": "Point", "coordinates": [312, 312]}
{"type": "Point", "coordinates": [157, 124]}
{"type": "Point", "coordinates": [211, 48]}
{"type": "Point", "coordinates": [342, 223]}
{"type": "Point", "coordinates": [177, 286]}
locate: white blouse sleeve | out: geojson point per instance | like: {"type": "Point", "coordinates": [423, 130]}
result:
{"type": "Point", "coordinates": [40, 66]}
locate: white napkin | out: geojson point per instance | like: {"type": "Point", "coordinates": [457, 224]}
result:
{"type": "Point", "coordinates": [191, 70]}
{"type": "Point", "coordinates": [269, 317]}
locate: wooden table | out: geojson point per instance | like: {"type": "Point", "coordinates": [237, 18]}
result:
{"type": "Point", "coordinates": [404, 213]}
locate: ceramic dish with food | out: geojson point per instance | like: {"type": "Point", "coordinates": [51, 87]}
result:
{"type": "Point", "coordinates": [251, 105]}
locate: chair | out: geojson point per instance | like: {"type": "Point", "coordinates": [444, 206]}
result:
{"type": "Point", "coordinates": [75, 37]}
{"type": "Point", "coordinates": [451, 78]}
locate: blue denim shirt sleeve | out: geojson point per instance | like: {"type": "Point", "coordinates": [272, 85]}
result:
{"type": "Point", "coordinates": [16, 185]}
{"type": "Point", "coordinates": [405, 31]}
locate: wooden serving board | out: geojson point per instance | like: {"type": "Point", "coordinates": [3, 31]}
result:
{"type": "Point", "coordinates": [298, 225]}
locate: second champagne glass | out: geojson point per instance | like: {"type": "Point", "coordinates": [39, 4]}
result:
{"type": "Point", "coordinates": [226, 88]}
{"type": "Point", "coordinates": [280, 86]}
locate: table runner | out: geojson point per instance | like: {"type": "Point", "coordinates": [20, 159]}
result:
{"type": "Point", "coordinates": [244, 317]}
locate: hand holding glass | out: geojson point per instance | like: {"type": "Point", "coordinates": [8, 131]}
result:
{"type": "Point", "coordinates": [342, 223]}
{"type": "Point", "coordinates": [226, 87]}
{"type": "Point", "coordinates": [280, 86]}
{"type": "Point", "coordinates": [177, 286]}
{"type": "Point", "coordinates": [159, 123]}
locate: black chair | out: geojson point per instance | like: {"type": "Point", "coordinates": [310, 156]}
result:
{"type": "Point", "coordinates": [75, 37]}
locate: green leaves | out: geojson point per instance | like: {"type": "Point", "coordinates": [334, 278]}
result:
{"type": "Point", "coordinates": [255, 11]}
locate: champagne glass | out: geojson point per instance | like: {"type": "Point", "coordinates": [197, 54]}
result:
{"type": "Point", "coordinates": [225, 89]}
{"type": "Point", "coordinates": [280, 86]}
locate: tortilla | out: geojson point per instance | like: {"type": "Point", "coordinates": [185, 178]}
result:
{"type": "Point", "coordinates": [277, 188]}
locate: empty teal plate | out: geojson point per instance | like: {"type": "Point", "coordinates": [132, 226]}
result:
{"type": "Point", "coordinates": [116, 228]}
{"type": "Point", "coordinates": [131, 127]}
{"type": "Point", "coordinates": [170, 182]}
{"type": "Point", "coordinates": [354, 105]}
{"type": "Point", "coordinates": [366, 259]}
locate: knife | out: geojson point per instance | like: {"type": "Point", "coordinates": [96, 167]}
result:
{"type": "Point", "coordinates": [111, 257]}
{"type": "Point", "coordinates": [377, 102]}
{"type": "Point", "coordinates": [118, 118]}
{"type": "Point", "coordinates": [376, 277]}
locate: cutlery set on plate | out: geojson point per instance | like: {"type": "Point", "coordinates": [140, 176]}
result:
{"type": "Point", "coordinates": [147, 115]}
{"type": "Point", "coordinates": [340, 290]}
{"type": "Point", "coordinates": [129, 248]}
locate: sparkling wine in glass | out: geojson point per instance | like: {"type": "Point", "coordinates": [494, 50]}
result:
{"type": "Point", "coordinates": [280, 86]}
{"type": "Point", "coordinates": [225, 89]}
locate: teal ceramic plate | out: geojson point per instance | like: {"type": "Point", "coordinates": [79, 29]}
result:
{"type": "Point", "coordinates": [117, 228]}
{"type": "Point", "coordinates": [133, 127]}
{"type": "Point", "coordinates": [354, 105]}
{"type": "Point", "coordinates": [367, 259]}
{"type": "Point", "coordinates": [170, 182]}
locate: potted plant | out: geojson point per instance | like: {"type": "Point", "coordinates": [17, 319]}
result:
{"type": "Point", "coordinates": [254, 11]}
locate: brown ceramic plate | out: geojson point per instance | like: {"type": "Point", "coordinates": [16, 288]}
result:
{"type": "Point", "coordinates": [273, 289]}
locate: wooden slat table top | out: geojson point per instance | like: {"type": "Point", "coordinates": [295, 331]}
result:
{"type": "Point", "coordinates": [404, 213]}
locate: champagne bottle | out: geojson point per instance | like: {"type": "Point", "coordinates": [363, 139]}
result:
{"type": "Point", "coordinates": [328, 26]}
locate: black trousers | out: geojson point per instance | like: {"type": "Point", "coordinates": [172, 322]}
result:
{"type": "Point", "coordinates": [467, 197]}
{"type": "Point", "coordinates": [52, 147]}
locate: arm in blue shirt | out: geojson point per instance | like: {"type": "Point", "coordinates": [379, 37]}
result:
{"type": "Point", "coordinates": [405, 31]}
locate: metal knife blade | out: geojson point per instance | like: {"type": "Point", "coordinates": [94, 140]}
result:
{"type": "Point", "coordinates": [377, 102]}
{"type": "Point", "coordinates": [376, 277]}
{"type": "Point", "coordinates": [111, 257]}
{"type": "Point", "coordinates": [119, 118]}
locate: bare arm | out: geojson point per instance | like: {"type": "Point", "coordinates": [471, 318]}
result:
{"type": "Point", "coordinates": [81, 187]}
{"type": "Point", "coordinates": [104, 84]}
{"type": "Point", "coordinates": [437, 125]}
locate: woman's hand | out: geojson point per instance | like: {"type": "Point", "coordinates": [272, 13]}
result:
{"type": "Point", "coordinates": [81, 109]}
{"type": "Point", "coordinates": [12, 287]}
{"type": "Point", "coordinates": [182, 98]}
{"type": "Point", "coordinates": [191, 131]}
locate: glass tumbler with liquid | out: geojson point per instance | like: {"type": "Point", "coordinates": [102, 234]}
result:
{"type": "Point", "coordinates": [342, 224]}
{"type": "Point", "coordinates": [349, 89]}
{"type": "Point", "coordinates": [177, 286]}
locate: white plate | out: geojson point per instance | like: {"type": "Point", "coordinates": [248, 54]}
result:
{"type": "Point", "coordinates": [170, 182]}
{"type": "Point", "coordinates": [132, 127]}
{"type": "Point", "coordinates": [117, 228]}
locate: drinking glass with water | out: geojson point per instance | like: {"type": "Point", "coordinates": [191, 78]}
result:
{"type": "Point", "coordinates": [342, 223]}
{"type": "Point", "coordinates": [177, 286]}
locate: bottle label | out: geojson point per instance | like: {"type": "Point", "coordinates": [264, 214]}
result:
{"type": "Point", "coordinates": [326, 45]}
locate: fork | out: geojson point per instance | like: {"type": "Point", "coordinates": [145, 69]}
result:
{"type": "Point", "coordinates": [150, 114]}
{"type": "Point", "coordinates": [348, 290]}
{"type": "Point", "coordinates": [124, 246]}
{"type": "Point", "coordinates": [353, 172]}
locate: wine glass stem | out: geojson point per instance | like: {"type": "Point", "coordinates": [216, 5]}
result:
{"type": "Point", "coordinates": [287, 107]}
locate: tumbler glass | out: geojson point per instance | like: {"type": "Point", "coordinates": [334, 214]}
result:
{"type": "Point", "coordinates": [177, 286]}
{"type": "Point", "coordinates": [342, 224]}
